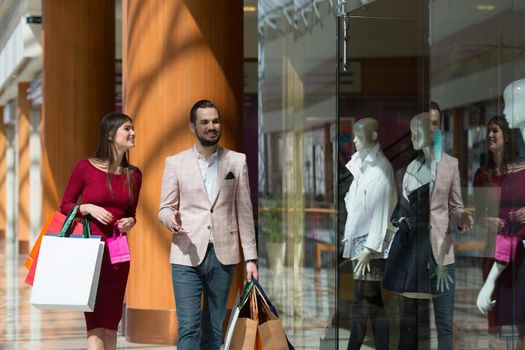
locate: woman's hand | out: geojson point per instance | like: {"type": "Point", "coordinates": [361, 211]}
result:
{"type": "Point", "coordinates": [517, 216]}
{"type": "Point", "coordinates": [125, 224]}
{"type": "Point", "coordinates": [98, 213]}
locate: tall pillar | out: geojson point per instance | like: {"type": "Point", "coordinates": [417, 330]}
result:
{"type": "Point", "coordinates": [3, 172]}
{"type": "Point", "coordinates": [174, 53]}
{"type": "Point", "coordinates": [78, 86]}
{"type": "Point", "coordinates": [23, 111]}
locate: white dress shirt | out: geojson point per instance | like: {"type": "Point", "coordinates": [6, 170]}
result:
{"type": "Point", "coordinates": [370, 202]}
{"type": "Point", "coordinates": [209, 170]}
{"type": "Point", "coordinates": [419, 173]}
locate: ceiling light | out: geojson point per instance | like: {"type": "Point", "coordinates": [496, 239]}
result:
{"type": "Point", "coordinates": [250, 8]}
{"type": "Point", "coordinates": [485, 7]}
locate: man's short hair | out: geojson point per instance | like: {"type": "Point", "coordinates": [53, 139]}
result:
{"type": "Point", "coordinates": [201, 104]}
{"type": "Point", "coordinates": [434, 105]}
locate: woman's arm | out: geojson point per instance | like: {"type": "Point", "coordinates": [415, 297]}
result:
{"type": "Point", "coordinates": [74, 189]}
{"type": "Point", "coordinates": [126, 223]}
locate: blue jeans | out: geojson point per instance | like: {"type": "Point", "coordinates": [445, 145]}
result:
{"type": "Point", "coordinates": [444, 310]}
{"type": "Point", "coordinates": [201, 330]}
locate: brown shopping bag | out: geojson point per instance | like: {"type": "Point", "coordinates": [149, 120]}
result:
{"type": "Point", "coordinates": [255, 324]}
{"type": "Point", "coordinates": [270, 332]}
{"type": "Point", "coordinates": [245, 329]}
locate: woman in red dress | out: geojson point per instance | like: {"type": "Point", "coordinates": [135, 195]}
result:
{"type": "Point", "coordinates": [500, 154]}
{"type": "Point", "coordinates": [108, 187]}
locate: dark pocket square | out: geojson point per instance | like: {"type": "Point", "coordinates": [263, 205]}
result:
{"type": "Point", "coordinates": [230, 176]}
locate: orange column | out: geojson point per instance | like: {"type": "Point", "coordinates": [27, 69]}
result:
{"type": "Point", "coordinates": [24, 127]}
{"type": "Point", "coordinates": [78, 86]}
{"type": "Point", "coordinates": [174, 53]}
{"type": "Point", "coordinates": [3, 171]}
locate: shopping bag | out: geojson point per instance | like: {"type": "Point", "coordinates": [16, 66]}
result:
{"type": "Point", "coordinates": [54, 224]}
{"type": "Point", "coordinates": [244, 335]}
{"type": "Point", "coordinates": [244, 324]}
{"type": "Point", "coordinates": [270, 329]}
{"type": "Point", "coordinates": [118, 246]}
{"type": "Point", "coordinates": [68, 271]}
{"type": "Point", "coordinates": [255, 323]}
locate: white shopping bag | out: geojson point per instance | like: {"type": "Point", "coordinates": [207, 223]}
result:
{"type": "Point", "coordinates": [67, 273]}
{"type": "Point", "coordinates": [231, 323]}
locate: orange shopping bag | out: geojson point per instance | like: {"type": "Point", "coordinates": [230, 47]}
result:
{"type": "Point", "coordinates": [54, 224]}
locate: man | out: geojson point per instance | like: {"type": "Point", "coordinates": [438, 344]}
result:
{"type": "Point", "coordinates": [446, 208]}
{"type": "Point", "coordinates": [435, 116]}
{"type": "Point", "coordinates": [205, 202]}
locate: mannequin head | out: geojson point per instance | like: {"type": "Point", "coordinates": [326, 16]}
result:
{"type": "Point", "coordinates": [421, 130]}
{"type": "Point", "coordinates": [366, 132]}
{"type": "Point", "coordinates": [514, 97]}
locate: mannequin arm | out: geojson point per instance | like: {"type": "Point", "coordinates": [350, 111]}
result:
{"type": "Point", "coordinates": [484, 301]}
{"type": "Point", "coordinates": [363, 263]}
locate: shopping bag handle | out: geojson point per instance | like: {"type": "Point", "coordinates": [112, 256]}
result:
{"type": "Point", "coordinates": [65, 230]}
{"type": "Point", "coordinates": [86, 230]}
{"type": "Point", "coordinates": [245, 293]}
{"type": "Point", "coordinates": [116, 230]}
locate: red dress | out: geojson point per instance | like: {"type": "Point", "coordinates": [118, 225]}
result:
{"type": "Point", "coordinates": [90, 183]}
{"type": "Point", "coordinates": [485, 178]}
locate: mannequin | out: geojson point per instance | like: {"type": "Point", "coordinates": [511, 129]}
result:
{"type": "Point", "coordinates": [368, 232]}
{"type": "Point", "coordinates": [421, 261]}
{"type": "Point", "coordinates": [509, 262]}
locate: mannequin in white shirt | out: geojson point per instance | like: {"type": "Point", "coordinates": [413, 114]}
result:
{"type": "Point", "coordinates": [368, 232]}
{"type": "Point", "coordinates": [514, 112]}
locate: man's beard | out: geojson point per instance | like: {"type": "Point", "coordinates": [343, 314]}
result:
{"type": "Point", "coordinates": [207, 143]}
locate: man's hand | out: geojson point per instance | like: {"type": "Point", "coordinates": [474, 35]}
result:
{"type": "Point", "coordinates": [363, 263]}
{"type": "Point", "coordinates": [466, 222]}
{"type": "Point", "coordinates": [493, 224]}
{"type": "Point", "coordinates": [443, 278]}
{"type": "Point", "coordinates": [251, 271]}
{"type": "Point", "coordinates": [176, 222]}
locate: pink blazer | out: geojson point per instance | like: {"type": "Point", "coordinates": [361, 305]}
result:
{"type": "Point", "coordinates": [229, 216]}
{"type": "Point", "coordinates": [445, 205]}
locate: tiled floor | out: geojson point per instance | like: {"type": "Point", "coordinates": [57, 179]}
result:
{"type": "Point", "coordinates": [24, 327]}
{"type": "Point", "coordinates": [305, 299]}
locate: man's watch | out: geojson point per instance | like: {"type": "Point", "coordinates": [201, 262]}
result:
{"type": "Point", "coordinates": [251, 261]}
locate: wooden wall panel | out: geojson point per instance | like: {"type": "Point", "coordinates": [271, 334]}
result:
{"type": "Point", "coordinates": [174, 53]}
{"type": "Point", "coordinates": [78, 86]}
{"type": "Point", "coordinates": [24, 127]}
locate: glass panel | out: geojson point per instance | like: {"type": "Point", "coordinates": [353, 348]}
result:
{"type": "Point", "coordinates": [387, 84]}
{"type": "Point", "coordinates": [297, 152]}
{"type": "Point", "coordinates": [477, 50]}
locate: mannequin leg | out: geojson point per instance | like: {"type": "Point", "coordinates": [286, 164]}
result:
{"type": "Point", "coordinates": [414, 333]}
{"type": "Point", "coordinates": [359, 317]}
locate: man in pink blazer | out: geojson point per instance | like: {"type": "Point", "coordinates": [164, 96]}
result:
{"type": "Point", "coordinates": [205, 202]}
{"type": "Point", "coordinates": [446, 207]}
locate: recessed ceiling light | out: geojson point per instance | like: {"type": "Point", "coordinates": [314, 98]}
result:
{"type": "Point", "coordinates": [485, 7]}
{"type": "Point", "coordinates": [250, 8]}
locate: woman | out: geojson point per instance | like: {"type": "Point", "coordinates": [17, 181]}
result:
{"type": "Point", "coordinates": [491, 176]}
{"type": "Point", "coordinates": [109, 188]}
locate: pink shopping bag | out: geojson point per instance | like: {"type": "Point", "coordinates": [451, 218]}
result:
{"type": "Point", "coordinates": [118, 246]}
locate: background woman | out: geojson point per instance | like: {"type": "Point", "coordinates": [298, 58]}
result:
{"type": "Point", "coordinates": [109, 187]}
{"type": "Point", "coordinates": [499, 156]}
